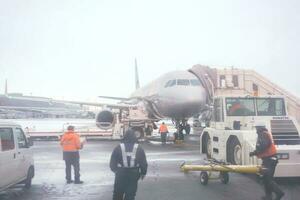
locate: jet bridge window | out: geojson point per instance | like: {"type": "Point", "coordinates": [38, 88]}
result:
{"type": "Point", "coordinates": [7, 139]}
{"type": "Point", "coordinates": [270, 107]}
{"type": "Point", "coordinates": [183, 82]}
{"type": "Point", "coordinates": [195, 82]}
{"type": "Point", "coordinates": [240, 107]}
{"type": "Point", "coordinates": [170, 83]}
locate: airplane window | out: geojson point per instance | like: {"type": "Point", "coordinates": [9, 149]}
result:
{"type": "Point", "coordinates": [195, 82]}
{"type": "Point", "coordinates": [173, 82]}
{"type": "Point", "coordinates": [168, 83]}
{"type": "Point", "coordinates": [183, 82]}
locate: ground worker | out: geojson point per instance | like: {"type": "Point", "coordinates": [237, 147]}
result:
{"type": "Point", "coordinates": [128, 162]}
{"type": "Point", "coordinates": [71, 145]}
{"type": "Point", "coordinates": [234, 109]}
{"type": "Point", "coordinates": [163, 130]}
{"type": "Point", "coordinates": [266, 150]}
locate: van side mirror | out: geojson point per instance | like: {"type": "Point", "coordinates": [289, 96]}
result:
{"type": "Point", "coordinates": [30, 142]}
{"type": "Point", "coordinates": [22, 144]}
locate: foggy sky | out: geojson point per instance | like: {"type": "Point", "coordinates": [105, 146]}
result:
{"type": "Point", "coordinates": [80, 49]}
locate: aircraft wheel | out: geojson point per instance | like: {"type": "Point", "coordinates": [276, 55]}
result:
{"type": "Point", "coordinates": [149, 130]}
{"type": "Point", "coordinates": [187, 129]}
{"type": "Point", "coordinates": [224, 176]}
{"type": "Point", "coordinates": [204, 178]}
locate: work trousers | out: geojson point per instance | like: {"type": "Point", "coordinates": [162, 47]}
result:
{"type": "Point", "coordinates": [163, 137]}
{"type": "Point", "coordinates": [269, 184]}
{"type": "Point", "coordinates": [72, 159]}
{"type": "Point", "coordinates": [126, 182]}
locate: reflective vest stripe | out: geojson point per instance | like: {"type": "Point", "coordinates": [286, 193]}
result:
{"type": "Point", "coordinates": [131, 155]}
{"type": "Point", "coordinates": [124, 157]}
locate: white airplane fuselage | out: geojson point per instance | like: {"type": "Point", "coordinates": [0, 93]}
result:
{"type": "Point", "coordinates": [176, 95]}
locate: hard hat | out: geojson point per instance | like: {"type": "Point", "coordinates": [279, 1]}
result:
{"type": "Point", "coordinates": [260, 124]}
{"type": "Point", "coordinates": [70, 128]}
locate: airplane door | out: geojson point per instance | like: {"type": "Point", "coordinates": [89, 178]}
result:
{"type": "Point", "coordinates": [23, 161]}
{"type": "Point", "coordinates": [7, 157]}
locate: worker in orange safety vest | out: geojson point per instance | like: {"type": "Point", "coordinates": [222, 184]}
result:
{"type": "Point", "coordinates": [71, 145]}
{"type": "Point", "coordinates": [163, 130]}
{"type": "Point", "coordinates": [266, 150]}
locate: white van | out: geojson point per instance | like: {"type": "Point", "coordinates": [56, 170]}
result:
{"type": "Point", "coordinates": [16, 158]}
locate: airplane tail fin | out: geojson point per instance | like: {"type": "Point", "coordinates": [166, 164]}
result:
{"type": "Point", "coordinates": [137, 81]}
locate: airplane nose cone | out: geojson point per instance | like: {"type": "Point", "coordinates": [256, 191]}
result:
{"type": "Point", "coordinates": [183, 102]}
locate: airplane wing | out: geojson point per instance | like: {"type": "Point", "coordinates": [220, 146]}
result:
{"type": "Point", "coordinates": [84, 103]}
{"type": "Point", "coordinates": [115, 98]}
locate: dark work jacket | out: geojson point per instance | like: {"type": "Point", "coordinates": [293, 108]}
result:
{"type": "Point", "coordinates": [263, 143]}
{"type": "Point", "coordinates": [140, 161]}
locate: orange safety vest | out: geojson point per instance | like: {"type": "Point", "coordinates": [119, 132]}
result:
{"type": "Point", "coordinates": [163, 128]}
{"type": "Point", "coordinates": [70, 141]}
{"type": "Point", "coordinates": [234, 108]}
{"type": "Point", "coordinates": [270, 151]}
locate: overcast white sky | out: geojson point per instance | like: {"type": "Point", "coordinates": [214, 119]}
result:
{"type": "Point", "coordinates": [78, 49]}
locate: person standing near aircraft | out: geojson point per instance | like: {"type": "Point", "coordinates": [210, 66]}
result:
{"type": "Point", "coordinates": [128, 162]}
{"type": "Point", "coordinates": [266, 150]}
{"type": "Point", "coordinates": [71, 145]}
{"type": "Point", "coordinates": [163, 130]}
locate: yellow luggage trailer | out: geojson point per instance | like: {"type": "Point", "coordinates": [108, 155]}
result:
{"type": "Point", "coordinates": [221, 167]}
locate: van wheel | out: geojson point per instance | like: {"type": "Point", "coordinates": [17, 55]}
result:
{"type": "Point", "coordinates": [30, 175]}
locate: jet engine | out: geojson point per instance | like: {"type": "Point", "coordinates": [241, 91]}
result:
{"type": "Point", "coordinates": [105, 119]}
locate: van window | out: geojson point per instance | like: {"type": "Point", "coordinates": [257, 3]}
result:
{"type": "Point", "coordinates": [21, 139]}
{"type": "Point", "coordinates": [7, 139]}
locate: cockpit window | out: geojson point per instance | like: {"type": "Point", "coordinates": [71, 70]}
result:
{"type": "Point", "coordinates": [195, 82]}
{"type": "Point", "coordinates": [183, 82]}
{"type": "Point", "coordinates": [170, 83]}
{"type": "Point", "coordinates": [173, 82]}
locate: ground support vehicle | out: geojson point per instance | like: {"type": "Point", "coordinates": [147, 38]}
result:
{"type": "Point", "coordinates": [16, 158]}
{"type": "Point", "coordinates": [212, 166]}
{"type": "Point", "coordinates": [231, 134]}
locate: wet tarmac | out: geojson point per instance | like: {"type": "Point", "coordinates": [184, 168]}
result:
{"type": "Point", "coordinates": [164, 180]}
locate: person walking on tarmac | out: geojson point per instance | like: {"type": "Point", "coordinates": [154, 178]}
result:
{"type": "Point", "coordinates": [71, 145]}
{"type": "Point", "coordinates": [266, 150]}
{"type": "Point", "coordinates": [128, 162]}
{"type": "Point", "coordinates": [163, 130]}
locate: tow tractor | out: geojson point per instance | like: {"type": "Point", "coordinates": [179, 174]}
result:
{"type": "Point", "coordinates": [231, 134]}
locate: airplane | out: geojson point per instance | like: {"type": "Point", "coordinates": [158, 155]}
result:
{"type": "Point", "coordinates": [177, 95]}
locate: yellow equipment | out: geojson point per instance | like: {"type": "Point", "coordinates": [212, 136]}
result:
{"type": "Point", "coordinates": [248, 169]}
{"type": "Point", "coordinates": [222, 167]}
